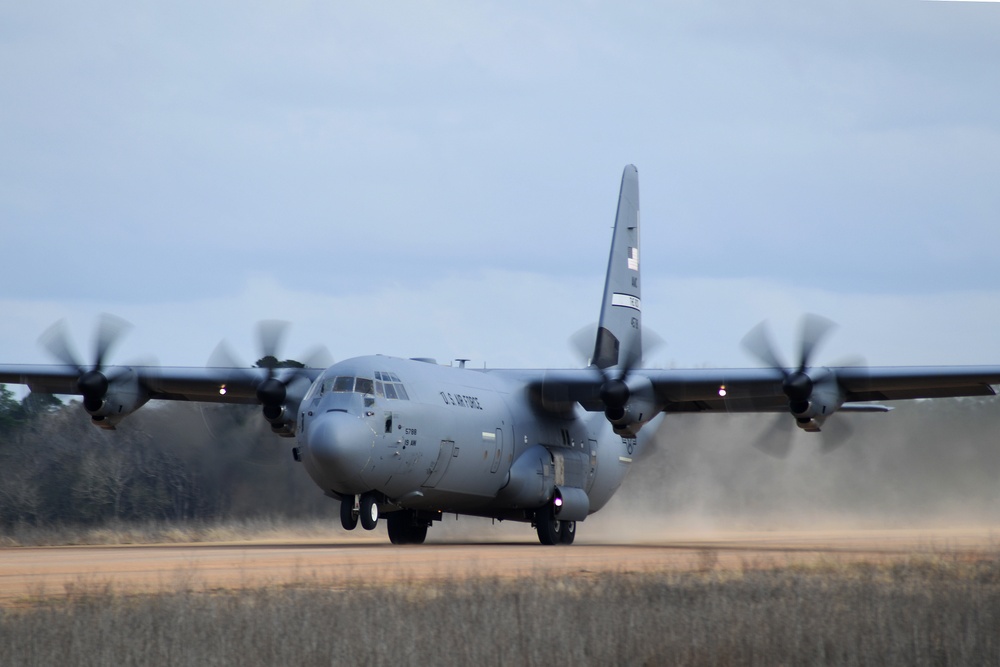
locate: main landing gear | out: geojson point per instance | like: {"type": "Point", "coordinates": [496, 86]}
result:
{"type": "Point", "coordinates": [551, 530]}
{"type": "Point", "coordinates": [406, 528]}
{"type": "Point", "coordinates": [355, 508]}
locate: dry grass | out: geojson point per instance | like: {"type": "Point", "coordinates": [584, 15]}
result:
{"type": "Point", "coordinates": [942, 609]}
{"type": "Point", "coordinates": [167, 532]}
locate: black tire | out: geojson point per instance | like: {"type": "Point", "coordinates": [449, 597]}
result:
{"type": "Point", "coordinates": [404, 529]}
{"type": "Point", "coordinates": [398, 526]}
{"type": "Point", "coordinates": [548, 526]}
{"type": "Point", "coordinates": [348, 519]}
{"type": "Point", "coordinates": [568, 532]}
{"type": "Point", "coordinates": [368, 512]}
{"type": "Point", "coordinates": [418, 533]}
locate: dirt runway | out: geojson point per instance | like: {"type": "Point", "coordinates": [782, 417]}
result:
{"type": "Point", "coordinates": [30, 573]}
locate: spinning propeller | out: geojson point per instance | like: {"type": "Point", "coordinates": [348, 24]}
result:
{"type": "Point", "coordinates": [627, 398]}
{"type": "Point", "coordinates": [615, 391]}
{"type": "Point", "coordinates": [797, 385]}
{"type": "Point", "coordinates": [93, 381]}
{"type": "Point", "coordinates": [813, 393]}
{"type": "Point", "coordinates": [273, 391]}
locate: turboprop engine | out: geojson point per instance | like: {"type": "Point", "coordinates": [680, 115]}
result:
{"type": "Point", "coordinates": [280, 396]}
{"type": "Point", "coordinates": [110, 400]}
{"type": "Point", "coordinates": [109, 394]}
{"type": "Point", "coordinates": [629, 402]}
{"type": "Point", "coordinates": [811, 400]}
{"type": "Point", "coordinates": [814, 393]}
{"type": "Point", "coordinates": [287, 382]}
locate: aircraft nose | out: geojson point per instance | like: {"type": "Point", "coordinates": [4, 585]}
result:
{"type": "Point", "coordinates": [340, 446]}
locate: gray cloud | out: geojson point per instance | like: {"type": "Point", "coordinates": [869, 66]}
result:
{"type": "Point", "coordinates": [226, 164]}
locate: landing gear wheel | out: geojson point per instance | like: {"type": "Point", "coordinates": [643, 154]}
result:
{"type": "Point", "coordinates": [418, 534]}
{"type": "Point", "coordinates": [548, 526]}
{"type": "Point", "coordinates": [568, 533]}
{"type": "Point", "coordinates": [368, 512]}
{"type": "Point", "coordinates": [404, 528]}
{"type": "Point", "coordinates": [398, 525]}
{"type": "Point", "coordinates": [348, 519]}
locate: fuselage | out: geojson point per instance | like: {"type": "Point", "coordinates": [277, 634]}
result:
{"type": "Point", "coordinates": [444, 438]}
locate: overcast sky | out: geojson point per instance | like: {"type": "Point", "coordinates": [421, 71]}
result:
{"type": "Point", "coordinates": [440, 179]}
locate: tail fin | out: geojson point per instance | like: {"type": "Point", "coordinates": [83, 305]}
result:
{"type": "Point", "coordinates": [619, 333]}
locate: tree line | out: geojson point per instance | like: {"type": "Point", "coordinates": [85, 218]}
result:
{"type": "Point", "coordinates": [168, 461]}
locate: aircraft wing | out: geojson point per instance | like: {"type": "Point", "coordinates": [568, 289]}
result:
{"type": "Point", "coordinates": [760, 389]}
{"type": "Point", "coordinates": [177, 383]}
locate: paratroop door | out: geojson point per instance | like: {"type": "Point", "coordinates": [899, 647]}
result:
{"type": "Point", "coordinates": [436, 471]}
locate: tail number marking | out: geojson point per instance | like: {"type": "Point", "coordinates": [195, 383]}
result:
{"type": "Point", "coordinates": [626, 300]}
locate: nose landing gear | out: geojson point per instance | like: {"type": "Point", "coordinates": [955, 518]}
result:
{"type": "Point", "coordinates": [348, 514]}
{"type": "Point", "coordinates": [368, 511]}
{"type": "Point", "coordinates": [363, 507]}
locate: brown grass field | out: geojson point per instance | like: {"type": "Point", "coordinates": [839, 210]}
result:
{"type": "Point", "coordinates": [881, 596]}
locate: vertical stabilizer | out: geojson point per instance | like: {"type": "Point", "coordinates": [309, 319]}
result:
{"type": "Point", "coordinates": [619, 333]}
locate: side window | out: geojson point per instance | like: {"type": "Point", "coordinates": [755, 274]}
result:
{"type": "Point", "coordinates": [316, 389]}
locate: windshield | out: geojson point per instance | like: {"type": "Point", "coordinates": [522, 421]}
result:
{"type": "Point", "coordinates": [346, 383]}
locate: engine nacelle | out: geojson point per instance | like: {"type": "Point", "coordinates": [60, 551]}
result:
{"type": "Point", "coordinates": [125, 395]}
{"type": "Point", "coordinates": [638, 409]}
{"type": "Point", "coordinates": [282, 420]}
{"type": "Point", "coordinates": [824, 400]}
{"type": "Point", "coordinates": [282, 416]}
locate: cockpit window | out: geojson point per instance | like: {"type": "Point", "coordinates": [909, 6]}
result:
{"type": "Point", "coordinates": [343, 383]}
{"type": "Point", "coordinates": [388, 385]}
{"type": "Point", "coordinates": [347, 384]}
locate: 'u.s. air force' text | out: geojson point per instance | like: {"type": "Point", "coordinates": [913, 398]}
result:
{"type": "Point", "coordinates": [460, 400]}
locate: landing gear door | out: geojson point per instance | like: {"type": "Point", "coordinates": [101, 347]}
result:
{"type": "Point", "coordinates": [436, 471]}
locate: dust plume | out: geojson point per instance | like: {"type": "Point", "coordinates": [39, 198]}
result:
{"type": "Point", "coordinates": [925, 464]}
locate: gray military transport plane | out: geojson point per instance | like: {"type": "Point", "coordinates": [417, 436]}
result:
{"type": "Point", "coordinates": [410, 439]}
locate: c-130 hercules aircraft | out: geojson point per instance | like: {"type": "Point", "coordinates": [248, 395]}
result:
{"type": "Point", "coordinates": [411, 440]}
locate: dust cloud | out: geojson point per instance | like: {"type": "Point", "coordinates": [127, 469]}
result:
{"type": "Point", "coordinates": [926, 464]}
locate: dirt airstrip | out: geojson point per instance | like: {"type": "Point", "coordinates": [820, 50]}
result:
{"type": "Point", "coordinates": [31, 573]}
